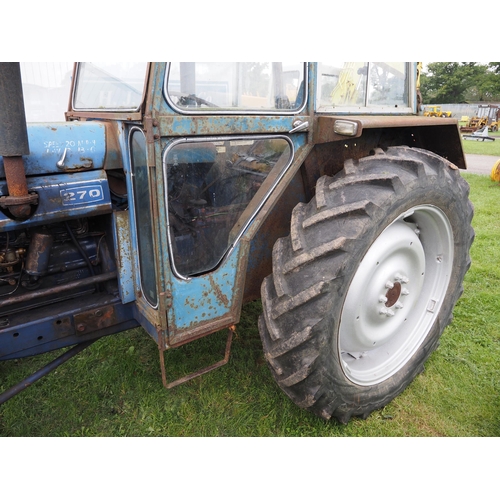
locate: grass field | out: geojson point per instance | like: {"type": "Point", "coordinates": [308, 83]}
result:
{"type": "Point", "coordinates": [114, 387]}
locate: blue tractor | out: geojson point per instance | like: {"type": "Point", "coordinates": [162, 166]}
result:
{"type": "Point", "coordinates": [174, 193]}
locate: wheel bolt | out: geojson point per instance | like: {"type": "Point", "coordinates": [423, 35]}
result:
{"type": "Point", "coordinates": [382, 299]}
{"type": "Point", "coordinates": [405, 291]}
{"type": "Point", "coordinates": [386, 311]}
{"type": "Point", "coordinates": [389, 285]}
{"type": "Point", "coordinates": [398, 305]}
{"type": "Point", "coordinates": [401, 278]}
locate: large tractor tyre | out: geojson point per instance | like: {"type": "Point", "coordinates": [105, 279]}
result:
{"type": "Point", "coordinates": [365, 283]}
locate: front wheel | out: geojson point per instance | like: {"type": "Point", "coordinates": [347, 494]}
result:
{"type": "Point", "coordinates": [366, 282]}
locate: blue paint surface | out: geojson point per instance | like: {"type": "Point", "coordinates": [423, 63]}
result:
{"type": "Point", "coordinates": [125, 249]}
{"type": "Point", "coordinates": [205, 297]}
{"type": "Point", "coordinates": [84, 143]}
{"type": "Point", "coordinates": [37, 333]}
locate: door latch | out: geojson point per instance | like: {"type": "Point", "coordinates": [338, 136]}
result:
{"type": "Point", "coordinates": [299, 126]}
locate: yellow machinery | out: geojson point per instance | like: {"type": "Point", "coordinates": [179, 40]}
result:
{"type": "Point", "coordinates": [436, 111]}
{"type": "Point", "coordinates": [495, 172]}
{"type": "Point", "coordinates": [464, 121]}
{"type": "Point", "coordinates": [486, 114]}
{"type": "Point", "coordinates": [346, 91]}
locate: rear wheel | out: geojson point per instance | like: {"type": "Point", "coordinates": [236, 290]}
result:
{"type": "Point", "coordinates": [366, 282]}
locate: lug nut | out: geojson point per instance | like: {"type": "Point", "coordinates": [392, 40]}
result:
{"type": "Point", "coordinates": [386, 311]}
{"type": "Point", "coordinates": [401, 278]}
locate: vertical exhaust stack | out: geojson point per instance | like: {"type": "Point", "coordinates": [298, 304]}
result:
{"type": "Point", "coordinates": [14, 142]}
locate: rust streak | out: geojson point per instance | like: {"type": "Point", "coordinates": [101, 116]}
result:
{"type": "Point", "coordinates": [218, 293]}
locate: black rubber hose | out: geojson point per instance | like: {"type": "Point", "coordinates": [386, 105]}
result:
{"type": "Point", "coordinates": [80, 249]}
{"type": "Point", "coordinates": [84, 255]}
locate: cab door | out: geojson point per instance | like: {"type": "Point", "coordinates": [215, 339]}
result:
{"type": "Point", "coordinates": [214, 189]}
{"type": "Point", "coordinates": [224, 153]}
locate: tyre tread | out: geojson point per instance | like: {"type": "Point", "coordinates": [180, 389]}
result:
{"type": "Point", "coordinates": [311, 265]}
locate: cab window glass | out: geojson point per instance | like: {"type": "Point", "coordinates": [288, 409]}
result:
{"type": "Point", "coordinates": [245, 86]}
{"type": "Point", "coordinates": [363, 86]}
{"type": "Point", "coordinates": [210, 186]}
{"type": "Point", "coordinates": [109, 86]}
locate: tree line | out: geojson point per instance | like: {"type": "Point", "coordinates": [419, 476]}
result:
{"type": "Point", "coordinates": [456, 82]}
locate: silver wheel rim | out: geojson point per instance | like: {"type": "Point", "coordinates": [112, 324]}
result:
{"type": "Point", "coordinates": [395, 295]}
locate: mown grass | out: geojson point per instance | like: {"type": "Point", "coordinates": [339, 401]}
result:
{"type": "Point", "coordinates": [114, 387]}
{"type": "Point", "coordinates": [483, 147]}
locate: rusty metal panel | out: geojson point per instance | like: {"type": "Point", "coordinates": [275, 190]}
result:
{"type": "Point", "coordinates": [324, 125]}
{"type": "Point", "coordinates": [95, 320]}
{"type": "Point", "coordinates": [276, 225]}
{"type": "Point", "coordinates": [439, 136]}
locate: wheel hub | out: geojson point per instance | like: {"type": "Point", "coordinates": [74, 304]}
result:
{"type": "Point", "coordinates": [393, 294]}
{"type": "Point", "coordinates": [386, 313]}
{"type": "Point", "coordinates": [376, 305]}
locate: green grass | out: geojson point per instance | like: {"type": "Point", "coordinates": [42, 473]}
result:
{"type": "Point", "coordinates": [114, 387]}
{"type": "Point", "coordinates": [483, 147]}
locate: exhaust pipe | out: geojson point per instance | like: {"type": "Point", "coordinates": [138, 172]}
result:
{"type": "Point", "coordinates": [14, 142]}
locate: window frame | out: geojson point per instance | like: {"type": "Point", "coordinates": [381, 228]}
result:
{"type": "Point", "coordinates": [133, 130]}
{"type": "Point", "coordinates": [216, 111]}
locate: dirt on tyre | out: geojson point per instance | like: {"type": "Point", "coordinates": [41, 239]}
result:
{"type": "Point", "coordinates": [366, 282]}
